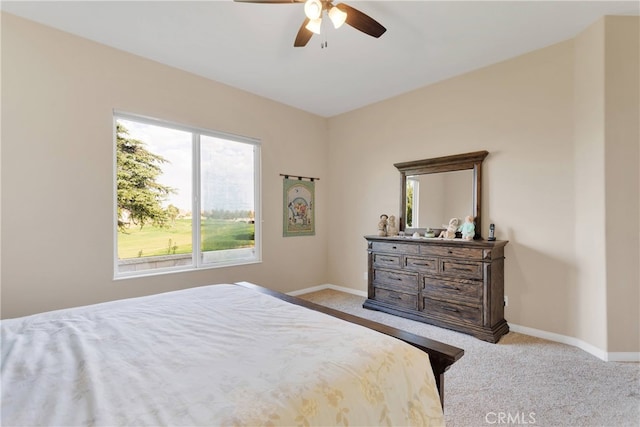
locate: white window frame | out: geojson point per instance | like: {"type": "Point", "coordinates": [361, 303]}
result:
{"type": "Point", "coordinates": [415, 203]}
{"type": "Point", "coordinates": [196, 254]}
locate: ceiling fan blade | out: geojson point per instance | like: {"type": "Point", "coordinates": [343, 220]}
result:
{"type": "Point", "coordinates": [362, 22]}
{"type": "Point", "coordinates": [303, 36]}
{"type": "Point", "coordinates": [269, 1]}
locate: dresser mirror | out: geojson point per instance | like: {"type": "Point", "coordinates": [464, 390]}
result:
{"type": "Point", "coordinates": [434, 190]}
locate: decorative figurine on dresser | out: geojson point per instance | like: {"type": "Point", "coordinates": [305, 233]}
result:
{"type": "Point", "coordinates": [392, 228]}
{"type": "Point", "coordinates": [468, 228]}
{"type": "Point", "coordinates": [455, 283]}
{"type": "Point", "coordinates": [450, 232]}
{"type": "Point", "coordinates": [382, 225]}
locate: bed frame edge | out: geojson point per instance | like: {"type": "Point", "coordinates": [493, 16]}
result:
{"type": "Point", "coordinates": [441, 355]}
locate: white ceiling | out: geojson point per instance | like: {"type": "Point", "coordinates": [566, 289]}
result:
{"type": "Point", "coordinates": [250, 46]}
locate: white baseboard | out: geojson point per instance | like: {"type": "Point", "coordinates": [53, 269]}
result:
{"type": "Point", "coordinates": [551, 336]}
{"type": "Point", "coordinates": [623, 357]}
{"type": "Point", "coordinates": [575, 342]}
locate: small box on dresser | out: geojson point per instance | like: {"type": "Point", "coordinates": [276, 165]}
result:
{"type": "Point", "coordinates": [455, 284]}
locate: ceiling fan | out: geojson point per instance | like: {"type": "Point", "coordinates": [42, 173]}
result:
{"type": "Point", "coordinates": [338, 14]}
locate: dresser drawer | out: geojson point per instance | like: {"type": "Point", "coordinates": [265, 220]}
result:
{"type": "Point", "coordinates": [461, 290]}
{"type": "Point", "coordinates": [472, 270]}
{"type": "Point", "coordinates": [453, 311]}
{"type": "Point", "coordinates": [456, 252]}
{"type": "Point", "coordinates": [385, 260]}
{"type": "Point", "coordinates": [397, 299]}
{"type": "Point", "coordinates": [425, 265]}
{"type": "Point", "coordinates": [392, 247]}
{"type": "Point", "coordinates": [396, 280]}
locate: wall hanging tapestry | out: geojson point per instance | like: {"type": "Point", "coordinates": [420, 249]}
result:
{"type": "Point", "coordinates": [299, 207]}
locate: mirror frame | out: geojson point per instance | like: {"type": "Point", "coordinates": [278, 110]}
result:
{"type": "Point", "coordinates": [456, 162]}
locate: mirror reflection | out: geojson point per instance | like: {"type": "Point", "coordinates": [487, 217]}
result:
{"type": "Point", "coordinates": [432, 191]}
{"type": "Point", "coordinates": [433, 199]}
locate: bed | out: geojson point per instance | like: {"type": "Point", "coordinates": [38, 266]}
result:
{"type": "Point", "coordinates": [229, 354]}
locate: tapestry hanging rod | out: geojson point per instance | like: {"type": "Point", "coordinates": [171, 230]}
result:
{"type": "Point", "coordinates": [300, 178]}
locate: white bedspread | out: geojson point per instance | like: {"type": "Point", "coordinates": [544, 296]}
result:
{"type": "Point", "coordinates": [214, 355]}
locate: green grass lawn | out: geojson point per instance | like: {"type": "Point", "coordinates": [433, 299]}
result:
{"type": "Point", "coordinates": [152, 241]}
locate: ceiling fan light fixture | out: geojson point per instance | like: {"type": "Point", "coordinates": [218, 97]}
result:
{"type": "Point", "coordinates": [314, 25]}
{"type": "Point", "coordinates": [313, 9]}
{"type": "Point", "coordinates": [337, 16]}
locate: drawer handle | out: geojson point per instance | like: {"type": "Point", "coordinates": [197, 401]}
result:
{"type": "Point", "coordinates": [394, 247]}
{"type": "Point", "coordinates": [450, 252]}
{"type": "Point", "coordinates": [388, 259]}
{"type": "Point", "coordinates": [397, 278]}
{"type": "Point", "coordinates": [460, 269]}
{"type": "Point", "coordinates": [449, 308]}
{"type": "Point", "coordinates": [421, 263]}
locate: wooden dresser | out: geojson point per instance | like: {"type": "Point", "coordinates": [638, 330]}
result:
{"type": "Point", "coordinates": [453, 284]}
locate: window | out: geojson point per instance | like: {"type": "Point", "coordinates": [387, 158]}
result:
{"type": "Point", "coordinates": [413, 193]}
{"type": "Point", "coordinates": [166, 172]}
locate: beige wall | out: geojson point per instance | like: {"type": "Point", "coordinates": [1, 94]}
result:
{"type": "Point", "coordinates": [58, 93]}
{"type": "Point", "coordinates": [547, 123]}
{"type": "Point", "coordinates": [607, 98]}
{"type": "Point", "coordinates": [521, 112]}
{"type": "Point", "coordinates": [590, 297]}
{"type": "Point", "coordinates": [622, 172]}
{"type": "Point", "coordinates": [557, 122]}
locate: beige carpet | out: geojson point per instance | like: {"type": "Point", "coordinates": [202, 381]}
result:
{"type": "Point", "coordinates": [522, 380]}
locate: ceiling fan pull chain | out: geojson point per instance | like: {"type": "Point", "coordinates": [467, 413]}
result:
{"type": "Point", "coordinates": [323, 42]}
